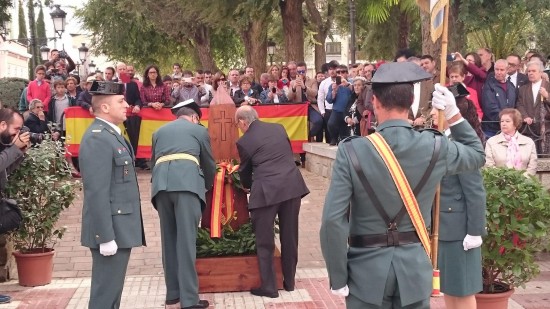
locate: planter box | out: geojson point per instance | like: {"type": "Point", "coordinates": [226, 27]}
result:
{"type": "Point", "coordinates": [233, 273]}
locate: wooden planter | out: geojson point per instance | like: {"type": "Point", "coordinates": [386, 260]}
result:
{"type": "Point", "coordinates": [233, 273]}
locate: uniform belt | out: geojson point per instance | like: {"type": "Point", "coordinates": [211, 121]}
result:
{"type": "Point", "coordinates": [177, 156]}
{"type": "Point", "coordinates": [392, 238]}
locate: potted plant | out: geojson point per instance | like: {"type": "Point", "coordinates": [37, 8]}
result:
{"type": "Point", "coordinates": [43, 187]}
{"type": "Point", "coordinates": [517, 225]}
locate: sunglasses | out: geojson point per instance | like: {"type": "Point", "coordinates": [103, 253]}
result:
{"type": "Point", "coordinates": [341, 71]}
{"type": "Point", "coordinates": [301, 72]}
{"type": "Point", "coordinates": [221, 80]}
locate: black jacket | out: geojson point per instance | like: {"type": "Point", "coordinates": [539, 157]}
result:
{"type": "Point", "coordinates": [36, 125]}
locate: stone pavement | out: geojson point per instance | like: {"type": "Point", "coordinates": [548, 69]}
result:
{"type": "Point", "coordinates": [144, 286]}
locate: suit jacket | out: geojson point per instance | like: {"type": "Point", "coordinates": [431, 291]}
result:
{"type": "Point", "coordinates": [10, 158]}
{"type": "Point", "coordinates": [497, 146]}
{"type": "Point", "coordinates": [182, 136]}
{"type": "Point", "coordinates": [521, 80]}
{"type": "Point", "coordinates": [267, 165]}
{"type": "Point", "coordinates": [112, 208]}
{"type": "Point", "coordinates": [426, 90]}
{"type": "Point", "coordinates": [132, 95]}
{"type": "Point", "coordinates": [463, 203]}
{"type": "Point", "coordinates": [365, 270]}
{"type": "Point", "coordinates": [529, 107]}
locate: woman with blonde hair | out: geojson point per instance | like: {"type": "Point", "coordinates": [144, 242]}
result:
{"type": "Point", "coordinates": [511, 148]}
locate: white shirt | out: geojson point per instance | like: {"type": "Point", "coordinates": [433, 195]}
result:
{"type": "Point", "coordinates": [112, 125]}
{"type": "Point", "coordinates": [536, 88]}
{"type": "Point", "coordinates": [513, 78]}
{"type": "Point", "coordinates": [209, 89]}
{"type": "Point", "coordinates": [416, 102]}
{"type": "Point", "coordinates": [322, 95]}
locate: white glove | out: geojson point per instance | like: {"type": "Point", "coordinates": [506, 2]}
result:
{"type": "Point", "coordinates": [341, 292]}
{"type": "Point", "coordinates": [108, 248]}
{"type": "Point", "coordinates": [471, 242]}
{"type": "Point", "coordinates": [444, 100]}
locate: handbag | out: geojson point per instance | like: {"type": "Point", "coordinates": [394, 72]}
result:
{"type": "Point", "coordinates": [10, 215]}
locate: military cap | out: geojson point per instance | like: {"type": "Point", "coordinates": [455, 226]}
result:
{"type": "Point", "coordinates": [400, 73]}
{"type": "Point", "coordinates": [187, 103]}
{"type": "Point", "coordinates": [106, 88]}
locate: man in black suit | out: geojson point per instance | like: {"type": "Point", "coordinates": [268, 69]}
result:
{"type": "Point", "coordinates": [133, 121]}
{"type": "Point", "coordinates": [513, 74]}
{"type": "Point", "coordinates": [276, 188]}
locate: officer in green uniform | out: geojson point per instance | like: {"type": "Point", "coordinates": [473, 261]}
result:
{"type": "Point", "coordinates": [387, 267]}
{"type": "Point", "coordinates": [183, 170]}
{"type": "Point", "coordinates": [111, 217]}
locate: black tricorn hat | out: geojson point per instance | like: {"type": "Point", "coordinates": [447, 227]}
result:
{"type": "Point", "coordinates": [106, 88]}
{"type": "Point", "coordinates": [400, 73]}
{"type": "Point", "coordinates": [187, 103]}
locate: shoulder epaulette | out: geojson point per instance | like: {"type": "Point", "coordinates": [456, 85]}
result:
{"type": "Point", "coordinates": [349, 138]}
{"type": "Point", "coordinates": [98, 128]}
{"type": "Point", "coordinates": [434, 131]}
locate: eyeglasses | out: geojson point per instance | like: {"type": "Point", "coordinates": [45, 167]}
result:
{"type": "Point", "coordinates": [341, 71]}
{"type": "Point", "coordinates": [301, 72]}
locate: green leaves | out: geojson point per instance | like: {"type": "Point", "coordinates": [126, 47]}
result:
{"type": "Point", "coordinates": [232, 243]}
{"type": "Point", "coordinates": [518, 212]}
{"type": "Point", "coordinates": [43, 188]}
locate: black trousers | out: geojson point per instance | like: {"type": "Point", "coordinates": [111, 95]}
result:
{"type": "Point", "coordinates": [263, 220]}
{"type": "Point", "coordinates": [133, 125]}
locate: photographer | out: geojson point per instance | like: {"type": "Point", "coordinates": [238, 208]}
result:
{"type": "Point", "coordinates": [68, 63]}
{"type": "Point", "coordinates": [12, 149]}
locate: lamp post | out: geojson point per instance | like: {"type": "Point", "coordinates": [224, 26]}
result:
{"type": "Point", "coordinates": [44, 53]}
{"type": "Point", "coordinates": [83, 52]}
{"type": "Point", "coordinates": [58, 17]}
{"type": "Point", "coordinates": [271, 50]}
{"type": "Point", "coordinates": [91, 66]}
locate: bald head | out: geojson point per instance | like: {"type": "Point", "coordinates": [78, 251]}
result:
{"type": "Point", "coordinates": [247, 114]}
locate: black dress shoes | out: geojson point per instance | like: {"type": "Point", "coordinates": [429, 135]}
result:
{"type": "Point", "coordinates": [201, 304]}
{"type": "Point", "coordinates": [172, 301]}
{"type": "Point", "coordinates": [288, 287]}
{"type": "Point", "coordinates": [260, 292]}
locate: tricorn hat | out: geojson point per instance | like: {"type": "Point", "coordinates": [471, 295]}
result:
{"type": "Point", "coordinates": [187, 103]}
{"type": "Point", "coordinates": [400, 73]}
{"type": "Point", "coordinates": [106, 88]}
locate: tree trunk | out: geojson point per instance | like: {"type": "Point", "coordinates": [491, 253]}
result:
{"type": "Point", "coordinates": [254, 38]}
{"type": "Point", "coordinates": [429, 47]}
{"type": "Point", "coordinates": [293, 29]}
{"type": "Point", "coordinates": [321, 28]}
{"type": "Point", "coordinates": [201, 38]}
{"type": "Point", "coordinates": [403, 30]}
{"type": "Point", "coordinates": [456, 32]}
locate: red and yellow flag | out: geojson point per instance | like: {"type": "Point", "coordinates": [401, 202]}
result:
{"type": "Point", "coordinates": [291, 116]}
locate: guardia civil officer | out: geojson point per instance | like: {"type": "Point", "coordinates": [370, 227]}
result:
{"type": "Point", "coordinates": [183, 170]}
{"type": "Point", "coordinates": [385, 265]}
{"type": "Point", "coordinates": [111, 218]}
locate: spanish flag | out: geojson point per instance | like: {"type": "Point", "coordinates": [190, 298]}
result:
{"type": "Point", "coordinates": [436, 8]}
{"type": "Point", "coordinates": [291, 116]}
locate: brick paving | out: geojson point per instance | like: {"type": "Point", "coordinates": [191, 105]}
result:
{"type": "Point", "coordinates": [144, 286]}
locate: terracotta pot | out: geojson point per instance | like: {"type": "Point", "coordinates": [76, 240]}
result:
{"type": "Point", "coordinates": [34, 269]}
{"type": "Point", "coordinates": [494, 301]}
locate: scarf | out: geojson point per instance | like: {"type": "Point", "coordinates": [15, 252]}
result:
{"type": "Point", "coordinates": [513, 157]}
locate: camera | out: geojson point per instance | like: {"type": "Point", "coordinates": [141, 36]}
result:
{"type": "Point", "coordinates": [35, 138]}
{"type": "Point", "coordinates": [63, 54]}
{"type": "Point", "coordinates": [338, 80]}
{"type": "Point", "coordinates": [274, 90]}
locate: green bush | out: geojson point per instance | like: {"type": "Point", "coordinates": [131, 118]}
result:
{"type": "Point", "coordinates": [43, 188]}
{"type": "Point", "coordinates": [517, 208]}
{"type": "Point", "coordinates": [10, 90]}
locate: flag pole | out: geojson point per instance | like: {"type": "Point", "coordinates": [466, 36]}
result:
{"type": "Point", "coordinates": [440, 124]}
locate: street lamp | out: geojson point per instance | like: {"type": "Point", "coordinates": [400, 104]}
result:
{"type": "Point", "coordinates": [58, 17]}
{"type": "Point", "coordinates": [532, 42]}
{"type": "Point", "coordinates": [5, 31]}
{"type": "Point", "coordinates": [44, 53]}
{"type": "Point", "coordinates": [91, 66]}
{"type": "Point", "coordinates": [271, 50]}
{"type": "Point", "coordinates": [83, 52]}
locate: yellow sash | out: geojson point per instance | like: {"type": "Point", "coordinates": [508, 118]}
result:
{"type": "Point", "coordinates": [403, 187]}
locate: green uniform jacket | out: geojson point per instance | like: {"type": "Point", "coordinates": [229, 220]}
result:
{"type": "Point", "coordinates": [112, 208]}
{"type": "Point", "coordinates": [182, 136]}
{"type": "Point", "coordinates": [463, 203]}
{"type": "Point", "coordinates": [365, 270]}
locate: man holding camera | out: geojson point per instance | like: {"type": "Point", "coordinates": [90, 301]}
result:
{"type": "Point", "coordinates": [13, 145]}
